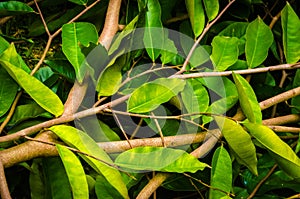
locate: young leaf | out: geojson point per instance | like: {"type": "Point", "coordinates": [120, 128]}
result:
{"type": "Point", "coordinates": [150, 95]}
{"type": "Point", "coordinates": [285, 157]}
{"type": "Point", "coordinates": [221, 173]}
{"type": "Point", "coordinates": [211, 8]}
{"type": "Point", "coordinates": [153, 35]}
{"type": "Point", "coordinates": [37, 90]}
{"type": "Point", "coordinates": [239, 141]}
{"type": "Point", "coordinates": [159, 159]}
{"type": "Point", "coordinates": [259, 38]}
{"type": "Point", "coordinates": [225, 52]}
{"type": "Point", "coordinates": [195, 97]}
{"type": "Point", "coordinates": [74, 35]}
{"type": "Point", "coordinates": [9, 8]}
{"type": "Point", "coordinates": [247, 99]}
{"type": "Point", "coordinates": [196, 15]}
{"type": "Point", "coordinates": [75, 172]}
{"type": "Point", "coordinates": [8, 88]}
{"type": "Point", "coordinates": [290, 32]}
{"type": "Point", "coordinates": [81, 141]}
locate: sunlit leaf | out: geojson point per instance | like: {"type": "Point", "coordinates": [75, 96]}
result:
{"type": "Point", "coordinates": [196, 15]}
{"type": "Point", "coordinates": [290, 32]}
{"type": "Point", "coordinates": [259, 38]}
{"type": "Point", "coordinates": [211, 8]}
{"type": "Point", "coordinates": [283, 154]}
{"type": "Point", "coordinates": [221, 173]}
{"type": "Point", "coordinates": [75, 172]}
{"type": "Point", "coordinates": [81, 141]}
{"type": "Point", "coordinates": [150, 95]}
{"type": "Point", "coordinates": [74, 35]}
{"type": "Point", "coordinates": [159, 159]}
{"type": "Point", "coordinates": [153, 35]}
{"type": "Point", "coordinates": [225, 52]}
{"type": "Point", "coordinates": [248, 100]}
{"type": "Point", "coordinates": [195, 97]}
{"type": "Point", "coordinates": [9, 8]}
{"type": "Point", "coordinates": [169, 50]}
{"type": "Point", "coordinates": [235, 29]}
{"type": "Point", "coordinates": [35, 89]}
{"type": "Point", "coordinates": [104, 190]}
{"type": "Point", "coordinates": [239, 141]}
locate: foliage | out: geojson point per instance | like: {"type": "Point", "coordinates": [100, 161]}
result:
{"type": "Point", "coordinates": [183, 67]}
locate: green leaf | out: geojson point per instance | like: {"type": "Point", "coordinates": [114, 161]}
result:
{"type": "Point", "coordinates": [225, 52]}
{"type": "Point", "coordinates": [35, 89]}
{"type": "Point", "coordinates": [295, 101]}
{"type": "Point", "coordinates": [196, 15]}
{"type": "Point", "coordinates": [248, 100]}
{"type": "Point", "coordinates": [285, 157]}
{"type": "Point", "coordinates": [195, 97]}
{"type": "Point", "coordinates": [159, 159]}
{"type": "Point", "coordinates": [8, 91]}
{"type": "Point", "coordinates": [75, 172]}
{"type": "Point", "coordinates": [211, 8]}
{"type": "Point", "coordinates": [80, 140]}
{"type": "Point", "coordinates": [74, 35]}
{"type": "Point", "coordinates": [104, 190]}
{"type": "Point", "coordinates": [221, 173]}
{"type": "Point", "coordinates": [79, 2]}
{"type": "Point", "coordinates": [109, 80]}
{"type": "Point", "coordinates": [150, 95]}
{"type": "Point", "coordinates": [62, 67]}
{"type": "Point", "coordinates": [290, 32]}
{"type": "Point", "coordinates": [9, 8]}
{"type": "Point", "coordinates": [54, 178]}
{"type": "Point", "coordinates": [235, 29]}
{"type": "Point", "coordinates": [259, 38]}
{"type": "Point", "coordinates": [169, 50]}
{"type": "Point", "coordinates": [239, 141]}
{"type": "Point", "coordinates": [153, 35]}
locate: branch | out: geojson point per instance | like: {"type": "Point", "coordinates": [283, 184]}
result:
{"type": "Point", "coordinates": [3, 184]}
{"type": "Point", "coordinates": [292, 118]}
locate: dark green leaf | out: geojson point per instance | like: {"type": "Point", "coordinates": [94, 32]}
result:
{"type": "Point", "coordinates": [104, 190]}
{"type": "Point", "coordinates": [247, 99]}
{"type": "Point", "coordinates": [150, 95]}
{"type": "Point", "coordinates": [80, 140]}
{"type": "Point", "coordinates": [159, 159]}
{"type": "Point", "coordinates": [79, 2]}
{"type": "Point", "coordinates": [9, 8]}
{"type": "Point", "coordinates": [239, 141]}
{"type": "Point", "coordinates": [221, 174]}
{"type": "Point", "coordinates": [290, 32]}
{"type": "Point", "coordinates": [75, 172]}
{"type": "Point", "coordinates": [285, 157]}
{"type": "Point", "coordinates": [259, 38]}
{"type": "Point", "coordinates": [225, 52]}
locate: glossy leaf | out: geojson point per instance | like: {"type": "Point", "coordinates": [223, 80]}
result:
{"type": "Point", "coordinates": [150, 95]}
{"type": "Point", "coordinates": [290, 32]}
{"type": "Point", "coordinates": [80, 140]}
{"type": "Point", "coordinates": [283, 154]}
{"type": "Point", "coordinates": [62, 67]}
{"type": "Point", "coordinates": [239, 141]}
{"type": "Point", "coordinates": [9, 8]}
{"type": "Point", "coordinates": [259, 38]}
{"type": "Point", "coordinates": [75, 172]}
{"type": "Point", "coordinates": [159, 159]}
{"type": "Point", "coordinates": [225, 52]}
{"type": "Point", "coordinates": [211, 8]}
{"type": "Point", "coordinates": [195, 97]}
{"type": "Point", "coordinates": [35, 89]}
{"type": "Point", "coordinates": [79, 2]}
{"type": "Point", "coordinates": [221, 174]}
{"type": "Point", "coordinates": [153, 35]}
{"type": "Point", "coordinates": [8, 88]}
{"type": "Point", "coordinates": [235, 29]}
{"type": "Point", "coordinates": [196, 15]}
{"type": "Point", "coordinates": [247, 99]}
{"type": "Point", "coordinates": [74, 35]}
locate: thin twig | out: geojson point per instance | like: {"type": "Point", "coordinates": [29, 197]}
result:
{"type": "Point", "coordinates": [262, 181]}
{"type": "Point", "coordinates": [206, 29]}
{"type": "Point", "coordinates": [122, 129]}
{"type": "Point", "coordinates": [159, 130]}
